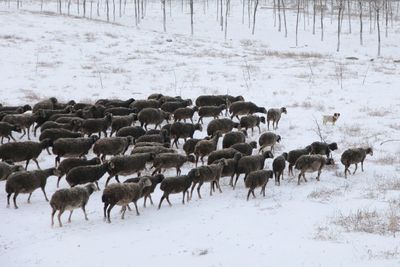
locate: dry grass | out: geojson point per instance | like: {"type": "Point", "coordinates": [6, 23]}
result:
{"type": "Point", "coordinates": [31, 96]}
{"type": "Point", "coordinates": [307, 105]}
{"type": "Point", "coordinates": [324, 194]}
{"type": "Point", "coordinates": [372, 222]}
{"type": "Point", "coordinates": [388, 159]}
{"type": "Point", "coordinates": [324, 233]}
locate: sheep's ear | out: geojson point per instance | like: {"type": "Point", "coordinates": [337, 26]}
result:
{"type": "Point", "coordinates": [111, 164]}
{"type": "Point", "coordinates": [197, 172]}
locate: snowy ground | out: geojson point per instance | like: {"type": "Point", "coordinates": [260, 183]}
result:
{"type": "Point", "coordinates": [47, 55]}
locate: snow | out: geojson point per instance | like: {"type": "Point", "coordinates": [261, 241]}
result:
{"type": "Point", "coordinates": [44, 54]}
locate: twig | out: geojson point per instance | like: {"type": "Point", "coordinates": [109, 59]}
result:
{"type": "Point", "coordinates": [312, 73]}
{"type": "Point", "coordinates": [318, 131]}
{"type": "Point", "coordinates": [99, 73]}
{"type": "Point", "coordinates": [365, 75]}
{"type": "Point", "coordinates": [391, 140]}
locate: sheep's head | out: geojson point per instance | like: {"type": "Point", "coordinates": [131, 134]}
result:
{"type": "Point", "coordinates": [262, 119]}
{"type": "Point", "coordinates": [245, 133]}
{"type": "Point", "coordinates": [159, 177]}
{"type": "Point", "coordinates": [253, 144]}
{"type": "Point", "coordinates": [239, 98]}
{"type": "Point", "coordinates": [285, 155]}
{"type": "Point", "coordinates": [268, 154]}
{"type": "Point", "coordinates": [262, 110]}
{"type": "Point", "coordinates": [369, 151]}
{"type": "Point", "coordinates": [55, 172]}
{"type": "Point", "coordinates": [332, 146]}
{"type": "Point", "coordinates": [193, 173]}
{"type": "Point", "coordinates": [26, 108]}
{"type": "Point", "coordinates": [308, 149]}
{"type": "Point", "coordinates": [236, 125]}
{"type": "Point", "coordinates": [191, 158]}
{"type": "Point", "coordinates": [53, 100]}
{"type": "Point", "coordinates": [16, 128]}
{"type": "Point", "coordinates": [278, 138]}
{"type": "Point", "coordinates": [198, 127]}
{"type": "Point", "coordinates": [329, 161]}
{"type": "Point", "coordinates": [91, 188]}
{"type": "Point", "coordinates": [283, 110]}
{"type": "Point", "coordinates": [94, 138]}
{"type": "Point", "coordinates": [237, 156]}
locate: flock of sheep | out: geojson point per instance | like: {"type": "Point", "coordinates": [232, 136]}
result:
{"type": "Point", "coordinates": [73, 129]}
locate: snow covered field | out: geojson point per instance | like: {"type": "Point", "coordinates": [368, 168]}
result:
{"type": "Point", "coordinates": [334, 222]}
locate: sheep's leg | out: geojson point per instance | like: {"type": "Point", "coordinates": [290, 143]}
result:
{"type": "Point", "coordinates": [52, 216]}
{"type": "Point", "coordinates": [355, 168]}
{"type": "Point", "coordinates": [58, 181]}
{"type": "Point", "coordinates": [108, 179]}
{"type": "Point", "coordinates": [259, 130]}
{"type": "Point", "coordinates": [12, 137]}
{"type": "Point", "coordinates": [97, 185]}
{"type": "Point", "coordinates": [45, 196]}
{"type": "Point", "coordinates": [59, 217]}
{"type": "Point", "coordinates": [70, 214]}
{"type": "Point", "coordinates": [167, 198]}
{"type": "Point", "coordinates": [24, 133]}
{"type": "Point", "coordinates": [268, 124]}
{"type": "Point", "coordinates": [231, 180]}
{"type": "Point", "coordinates": [197, 160]}
{"type": "Point", "coordinates": [123, 210]}
{"type": "Point", "coordinates": [263, 189]}
{"type": "Point", "coordinates": [319, 174]}
{"type": "Point", "coordinates": [156, 170]}
{"type": "Point", "coordinates": [28, 130]}
{"type": "Point", "coordinates": [27, 163]}
{"type": "Point", "coordinates": [29, 198]}
{"type": "Point", "coordinates": [129, 208]}
{"type": "Point", "coordinates": [191, 191]}
{"type": "Point", "coordinates": [219, 187]}
{"type": "Point", "coordinates": [117, 178]}
{"type": "Point", "coordinates": [178, 171]}
{"type": "Point", "coordinates": [57, 160]}
{"type": "Point", "coordinates": [2, 139]}
{"type": "Point", "coordinates": [84, 212]}
{"type": "Point", "coordinates": [183, 197]}
{"type": "Point", "coordinates": [144, 201]}
{"type": "Point", "coordinates": [15, 199]}
{"type": "Point", "coordinates": [202, 160]}
{"type": "Point", "coordinates": [211, 187]}
{"type": "Point", "coordinates": [187, 195]}
{"type": "Point", "coordinates": [252, 192]}
{"type": "Point", "coordinates": [237, 177]}
{"type": "Point", "coordinates": [362, 166]}
{"type": "Point", "coordinates": [8, 199]}
{"type": "Point", "coordinates": [298, 180]}
{"type": "Point", "coordinates": [198, 189]}
{"type": "Point", "coordinates": [290, 169]}
{"type": "Point", "coordinates": [105, 210]}
{"type": "Point", "coordinates": [304, 177]}
{"type": "Point", "coordinates": [109, 211]}
{"type": "Point", "coordinates": [276, 124]}
{"type": "Point", "coordinates": [161, 200]}
{"type": "Point", "coordinates": [248, 194]}
{"type": "Point", "coordinates": [151, 200]}
{"type": "Point", "coordinates": [37, 163]}
{"type": "Point", "coordinates": [35, 130]}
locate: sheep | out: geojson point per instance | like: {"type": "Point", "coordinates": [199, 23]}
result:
{"type": "Point", "coordinates": [245, 148]}
{"type": "Point", "coordinates": [116, 103]}
{"type": "Point", "coordinates": [69, 120]}
{"type": "Point", "coordinates": [152, 144]}
{"type": "Point", "coordinates": [44, 115]}
{"type": "Point", "coordinates": [146, 193]}
{"type": "Point", "coordinates": [223, 125]}
{"type": "Point", "coordinates": [73, 147]}
{"type": "Point", "coordinates": [25, 182]}
{"type": "Point", "coordinates": [183, 130]}
{"type": "Point", "coordinates": [161, 138]}
{"type": "Point", "coordinates": [251, 121]}
{"type": "Point", "coordinates": [165, 98]}
{"type": "Point", "coordinates": [139, 105]}
{"type": "Point", "coordinates": [155, 96]}
{"type": "Point", "coordinates": [189, 145]}
{"type": "Point", "coordinates": [231, 166]}
{"type": "Point", "coordinates": [330, 118]}
{"type": "Point", "coordinates": [355, 156]}
{"type": "Point", "coordinates": [244, 108]}
{"type": "Point", "coordinates": [111, 146]}
{"type": "Point", "coordinates": [234, 138]}
{"type": "Point", "coordinates": [167, 127]}
{"type": "Point", "coordinates": [87, 174]}
{"type": "Point", "coordinates": [123, 194]}
{"type": "Point", "coordinates": [68, 164]}
{"type": "Point", "coordinates": [257, 179]}
{"type": "Point", "coordinates": [24, 151]}
{"type": "Point", "coordinates": [322, 148]}
{"type": "Point", "coordinates": [229, 99]}
{"type": "Point", "coordinates": [210, 111]}
{"type": "Point", "coordinates": [174, 185]}
{"type": "Point", "coordinates": [210, 173]}
{"type": "Point", "coordinates": [248, 164]}
{"type": "Point", "coordinates": [23, 121]}
{"type": "Point", "coordinates": [45, 104]}
{"type": "Point", "coordinates": [152, 116]}
{"type": "Point", "coordinates": [120, 111]}
{"type": "Point", "coordinates": [185, 113]}
{"type": "Point", "coordinates": [55, 134]}
{"type": "Point", "coordinates": [293, 155]}
{"type": "Point", "coordinates": [70, 199]}
{"type": "Point", "coordinates": [58, 105]}
{"type": "Point", "coordinates": [6, 130]}
{"type": "Point", "coordinates": [171, 107]}
{"type": "Point", "coordinates": [278, 166]}
{"type": "Point", "coordinates": [205, 147]}
{"type": "Point", "coordinates": [7, 169]}
{"type": "Point", "coordinates": [96, 112]}
{"type": "Point", "coordinates": [274, 115]}
{"type": "Point", "coordinates": [268, 139]}
{"type": "Point", "coordinates": [226, 153]}
{"type": "Point", "coordinates": [72, 126]}
{"type": "Point", "coordinates": [23, 108]}
{"type": "Point", "coordinates": [133, 131]}
{"type": "Point", "coordinates": [170, 160]}
{"type": "Point", "coordinates": [91, 126]}
{"type": "Point", "coordinates": [119, 122]}
{"type": "Point", "coordinates": [126, 165]}
{"type": "Point", "coordinates": [152, 149]}
{"type": "Point", "coordinates": [310, 163]}
{"type": "Point", "coordinates": [210, 100]}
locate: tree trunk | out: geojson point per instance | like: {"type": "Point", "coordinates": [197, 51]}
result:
{"type": "Point", "coordinates": [339, 24]}
{"type": "Point", "coordinates": [322, 21]}
{"type": "Point", "coordinates": [191, 17]}
{"type": "Point", "coordinates": [226, 17]}
{"type": "Point", "coordinates": [108, 10]}
{"type": "Point", "coordinates": [284, 16]}
{"type": "Point", "coordinates": [379, 29]}
{"type": "Point", "coordinates": [314, 15]}
{"type": "Point", "coordinates": [349, 14]}
{"type": "Point", "coordinates": [361, 22]}
{"type": "Point", "coordinates": [297, 21]}
{"type": "Point", "coordinates": [164, 16]}
{"type": "Point", "coordinates": [254, 16]}
{"type": "Point", "coordinates": [279, 16]}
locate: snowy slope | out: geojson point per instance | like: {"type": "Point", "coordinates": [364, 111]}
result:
{"type": "Point", "coordinates": [71, 58]}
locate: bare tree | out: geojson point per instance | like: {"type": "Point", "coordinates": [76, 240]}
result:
{"type": "Point", "coordinates": [314, 15]}
{"type": "Point", "coordinates": [108, 10]}
{"type": "Point", "coordinates": [226, 17]}
{"type": "Point", "coordinates": [164, 15]}
{"type": "Point", "coordinates": [191, 17]}
{"type": "Point", "coordinates": [297, 20]}
{"type": "Point", "coordinates": [284, 16]}
{"type": "Point", "coordinates": [254, 15]}
{"type": "Point", "coordinates": [361, 21]}
{"type": "Point", "coordinates": [279, 16]}
{"type": "Point", "coordinates": [377, 7]}
{"type": "Point", "coordinates": [322, 20]}
{"type": "Point", "coordinates": [340, 10]}
{"type": "Point", "coordinates": [349, 14]}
